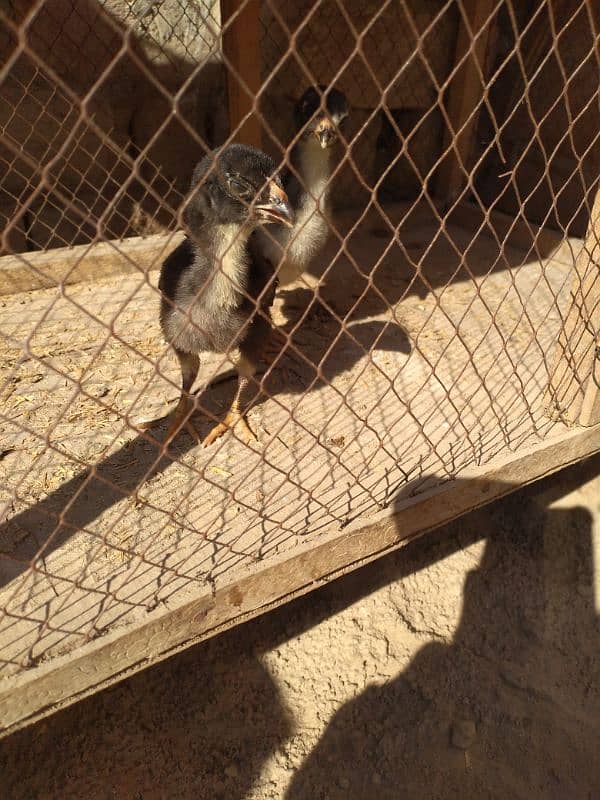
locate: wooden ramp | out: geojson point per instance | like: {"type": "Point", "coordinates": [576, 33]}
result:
{"type": "Point", "coordinates": [426, 404]}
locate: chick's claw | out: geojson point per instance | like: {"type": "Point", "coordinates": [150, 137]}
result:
{"type": "Point", "coordinates": [231, 420]}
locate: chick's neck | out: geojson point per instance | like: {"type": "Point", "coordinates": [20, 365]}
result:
{"type": "Point", "coordinates": [315, 166]}
{"type": "Point", "coordinates": [223, 243]}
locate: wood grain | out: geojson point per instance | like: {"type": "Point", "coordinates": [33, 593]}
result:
{"type": "Point", "coordinates": [465, 96]}
{"type": "Point", "coordinates": [241, 49]}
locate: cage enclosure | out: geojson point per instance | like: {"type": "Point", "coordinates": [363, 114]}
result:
{"type": "Point", "coordinates": [440, 351]}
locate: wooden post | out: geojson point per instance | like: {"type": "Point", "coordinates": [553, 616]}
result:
{"type": "Point", "coordinates": [241, 48]}
{"type": "Point", "coordinates": [465, 96]}
{"type": "Point", "coordinates": [573, 392]}
{"type": "Point", "coordinates": [590, 409]}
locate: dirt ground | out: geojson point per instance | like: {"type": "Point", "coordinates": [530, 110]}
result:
{"type": "Point", "coordinates": [464, 666]}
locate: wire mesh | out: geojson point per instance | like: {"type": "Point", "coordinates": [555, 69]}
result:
{"type": "Point", "coordinates": [418, 341]}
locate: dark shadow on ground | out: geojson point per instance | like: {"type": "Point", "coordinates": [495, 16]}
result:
{"type": "Point", "coordinates": [509, 709]}
{"type": "Point", "coordinates": [518, 686]}
{"type": "Point", "coordinates": [208, 717]}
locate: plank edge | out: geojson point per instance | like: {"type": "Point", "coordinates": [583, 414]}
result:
{"type": "Point", "coordinates": [47, 269]}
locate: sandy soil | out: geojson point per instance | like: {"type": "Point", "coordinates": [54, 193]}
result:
{"type": "Point", "coordinates": [465, 666]}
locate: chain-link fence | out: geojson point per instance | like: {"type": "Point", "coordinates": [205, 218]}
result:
{"type": "Point", "coordinates": [452, 304]}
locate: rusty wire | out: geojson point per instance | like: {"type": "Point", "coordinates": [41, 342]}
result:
{"type": "Point", "coordinates": [100, 526]}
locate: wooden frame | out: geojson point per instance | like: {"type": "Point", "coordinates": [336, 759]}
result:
{"type": "Point", "coordinates": [85, 262]}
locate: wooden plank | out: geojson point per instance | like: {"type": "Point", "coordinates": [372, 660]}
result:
{"type": "Point", "coordinates": [248, 593]}
{"type": "Point", "coordinates": [69, 265]}
{"type": "Point", "coordinates": [573, 388]}
{"type": "Point", "coordinates": [465, 95]}
{"type": "Point", "coordinates": [241, 48]}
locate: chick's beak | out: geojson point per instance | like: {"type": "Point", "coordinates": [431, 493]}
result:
{"type": "Point", "coordinates": [326, 138]}
{"type": "Point", "coordinates": [277, 208]}
{"type": "Point", "coordinates": [325, 133]}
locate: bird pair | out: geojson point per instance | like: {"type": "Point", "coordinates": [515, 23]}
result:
{"type": "Point", "coordinates": [218, 286]}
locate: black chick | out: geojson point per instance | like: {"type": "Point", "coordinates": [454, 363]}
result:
{"type": "Point", "coordinates": [318, 124]}
{"type": "Point", "coordinates": [216, 293]}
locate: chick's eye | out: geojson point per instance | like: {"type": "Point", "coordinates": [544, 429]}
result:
{"type": "Point", "coordinates": [239, 186]}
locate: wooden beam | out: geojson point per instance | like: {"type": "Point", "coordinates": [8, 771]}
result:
{"type": "Point", "coordinates": [61, 681]}
{"type": "Point", "coordinates": [573, 393]}
{"type": "Point", "coordinates": [240, 20]}
{"type": "Point", "coordinates": [465, 95]}
{"type": "Point", "coordinates": [67, 265]}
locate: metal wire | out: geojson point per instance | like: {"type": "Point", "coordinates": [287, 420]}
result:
{"type": "Point", "coordinates": [419, 342]}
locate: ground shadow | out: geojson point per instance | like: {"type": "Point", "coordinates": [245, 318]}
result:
{"type": "Point", "coordinates": [508, 710]}
{"type": "Point", "coordinates": [184, 725]}
{"type": "Point", "coordinates": [503, 711]}
{"type": "Point", "coordinates": [367, 268]}
{"type": "Point", "coordinates": [313, 349]}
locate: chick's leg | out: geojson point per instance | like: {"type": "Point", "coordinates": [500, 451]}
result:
{"type": "Point", "coordinates": [235, 415]}
{"type": "Point", "coordinates": [189, 363]}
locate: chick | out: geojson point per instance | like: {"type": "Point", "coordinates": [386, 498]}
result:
{"type": "Point", "coordinates": [318, 116]}
{"type": "Point", "coordinates": [216, 293]}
